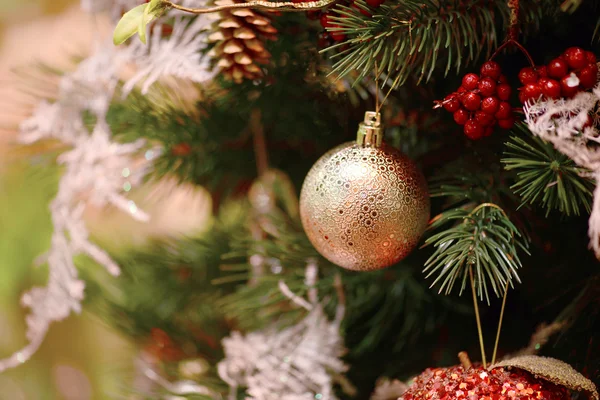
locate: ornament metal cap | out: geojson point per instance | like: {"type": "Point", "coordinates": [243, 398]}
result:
{"type": "Point", "coordinates": [370, 131]}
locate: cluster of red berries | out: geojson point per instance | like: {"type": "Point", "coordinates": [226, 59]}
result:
{"type": "Point", "coordinates": [572, 72]}
{"type": "Point", "coordinates": [482, 102]}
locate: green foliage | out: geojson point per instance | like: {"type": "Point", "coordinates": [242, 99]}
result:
{"type": "Point", "coordinates": [136, 20]}
{"type": "Point", "coordinates": [413, 38]}
{"type": "Point", "coordinates": [484, 239]}
{"type": "Point", "coordinates": [168, 285]}
{"type": "Point", "coordinates": [381, 306]}
{"type": "Point", "coordinates": [474, 178]}
{"type": "Point", "coordinates": [545, 176]}
{"type": "Point", "coordinates": [210, 142]}
{"type": "Point", "coordinates": [190, 147]}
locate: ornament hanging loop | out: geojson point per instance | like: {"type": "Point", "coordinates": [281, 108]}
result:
{"type": "Point", "coordinates": [370, 131]}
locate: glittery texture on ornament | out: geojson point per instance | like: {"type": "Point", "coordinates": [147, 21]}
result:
{"type": "Point", "coordinates": [456, 383]}
{"type": "Point", "coordinates": [553, 370]}
{"type": "Point", "coordinates": [364, 207]}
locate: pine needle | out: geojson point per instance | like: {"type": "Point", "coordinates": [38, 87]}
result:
{"type": "Point", "coordinates": [483, 239]}
{"type": "Point", "coordinates": [547, 177]}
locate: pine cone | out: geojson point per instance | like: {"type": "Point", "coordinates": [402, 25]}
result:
{"type": "Point", "coordinates": [240, 37]}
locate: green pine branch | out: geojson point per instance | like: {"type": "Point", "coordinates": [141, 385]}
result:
{"type": "Point", "coordinates": [547, 177]}
{"type": "Point", "coordinates": [392, 305]}
{"type": "Point", "coordinates": [483, 238]}
{"type": "Point", "coordinates": [474, 178]}
{"type": "Point", "coordinates": [413, 38]}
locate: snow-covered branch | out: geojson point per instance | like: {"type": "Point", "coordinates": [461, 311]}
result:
{"type": "Point", "coordinates": [300, 362]}
{"type": "Point", "coordinates": [93, 172]}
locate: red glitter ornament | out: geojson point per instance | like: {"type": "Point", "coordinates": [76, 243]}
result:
{"type": "Point", "coordinates": [477, 383]}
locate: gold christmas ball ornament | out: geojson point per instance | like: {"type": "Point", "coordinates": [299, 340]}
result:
{"type": "Point", "coordinates": [364, 205]}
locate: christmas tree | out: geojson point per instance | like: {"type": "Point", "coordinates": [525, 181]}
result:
{"type": "Point", "coordinates": [404, 197]}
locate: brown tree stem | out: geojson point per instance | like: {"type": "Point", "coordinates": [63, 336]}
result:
{"type": "Point", "coordinates": [465, 361]}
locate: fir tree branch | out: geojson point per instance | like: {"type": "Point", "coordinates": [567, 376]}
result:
{"type": "Point", "coordinates": [547, 177]}
{"type": "Point", "coordinates": [484, 239]}
{"type": "Point", "coordinates": [415, 37]}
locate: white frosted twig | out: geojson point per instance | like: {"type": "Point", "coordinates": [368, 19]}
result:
{"type": "Point", "coordinates": [183, 387]}
{"type": "Point", "coordinates": [296, 363]}
{"type": "Point", "coordinates": [310, 280]}
{"type": "Point", "coordinates": [93, 173]}
{"type": "Point", "coordinates": [284, 288]}
{"type": "Point", "coordinates": [179, 55]}
{"type": "Point", "coordinates": [94, 166]}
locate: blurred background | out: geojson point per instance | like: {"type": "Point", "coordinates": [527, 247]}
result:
{"type": "Point", "coordinates": [81, 358]}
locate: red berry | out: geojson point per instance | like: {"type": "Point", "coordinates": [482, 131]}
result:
{"type": "Point", "coordinates": [576, 57]}
{"type": "Point", "coordinates": [487, 87]}
{"type": "Point", "coordinates": [504, 91]}
{"type": "Point", "coordinates": [490, 105]}
{"type": "Point", "coordinates": [522, 98]}
{"type": "Point", "coordinates": [506, 123]}
{"type": "Point", "coordinates": [528, 75]}
{"type": "Point", "coordinates": [550, 88]}
{"type": "Point", "coordinates": [473, 130]}
{"type": "Point", "coordinates": [588, 76]}
{"type": "Point", "coordinates": [374, 3]}
{"type": "Point", "coordinates": [542, 71]}
{"type": "Point", "coordinates": [488, 131]}
{"type": "Point", "coordinates": [590, 57]}
{"type": "Point", "coordinates": [484, 119]}
{"type": "Point", "coordinates": [504, 111]}
{"type": "Point", "coordinates": [567, 88]}
{"type": "Point", "coordinates": [532, 91]}
{"type": "Point", "coordinates": [502, 79]}
{"type": "Point", "coordinates": [470, 81]}
{"type": "Point", "coordinates": [451, 103]}
{"type": "Point", "coordinates": [461, 116]}
{"type": "Point", "coordinates": [490, 69]}
{"type": "Point", "coordinates": [557, 68]}
{"type": "Point", "coordinates": [337, 35]}
{"type": "Point", "coordinates": [325, 22]}
{"type": "Point", "coordinates": [471, 101]}
{"type": "Point", "coordinates": [461, 89]}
